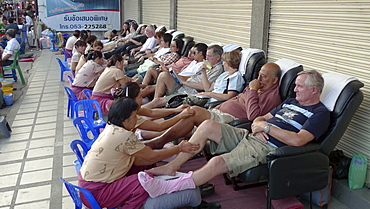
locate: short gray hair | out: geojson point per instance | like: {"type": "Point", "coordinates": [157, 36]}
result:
{"type": "Point", "coordinates": [217, 49]}
{"type": "Point", "coordinates": [11, 33]}
{"type": "Point", "coordinates": [314, 79]}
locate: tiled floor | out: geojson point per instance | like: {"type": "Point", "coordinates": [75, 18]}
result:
{"type": "Point", "coordinates": [37, 153]}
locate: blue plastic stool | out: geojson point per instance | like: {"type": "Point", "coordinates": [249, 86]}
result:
{"type": "Point", "coordinates": [80, 149]}
{"type": "Point", "coordinates": [70, 79]}
{"type": "Point", "coordinates": [4, 127]}
{"type": "Point", "coordinates": [92, 111]}
{"type": "Point", "coordinates": [66, 55]}
{"type": "Point", "coordinates": [63, 68]}
{"type": "Point", "coordinates": [72, 99]}
{"type": "Point", "coordinates": [87, 93]}
{"type": "Point", "coordinates": [86, 131]}
{"type": "Point", "coordinates": [73, 191]}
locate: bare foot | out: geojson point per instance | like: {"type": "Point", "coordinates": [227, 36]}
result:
{"type": "Point", "coordinates": [156, 102]}
{"type": "Point", "coordinates": [162, 170]}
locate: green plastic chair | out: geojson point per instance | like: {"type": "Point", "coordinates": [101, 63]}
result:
{"type": "Point", "coordinates": [13, 67]}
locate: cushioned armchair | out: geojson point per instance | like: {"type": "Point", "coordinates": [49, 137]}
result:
{"type": "Point", "coordinates": [295, 170]}
{"type": "Point", "coordinates": [188, 44]}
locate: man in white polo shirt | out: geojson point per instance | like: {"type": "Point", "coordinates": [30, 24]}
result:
{"type": "Point", "coordinates": [11, 48]}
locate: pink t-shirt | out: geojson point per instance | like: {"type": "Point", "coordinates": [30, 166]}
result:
{"type": "Point", "coordinates": [88, 74]}
{"type": "Point", "coordinates": [109, 79]}
{"type": "Point", "coordinates": [180, 64]}
{"type": "Point", "coordinates": [251, 103]}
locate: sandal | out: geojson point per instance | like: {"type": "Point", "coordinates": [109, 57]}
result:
{"type": "Point", "coordinates": [207, 189]}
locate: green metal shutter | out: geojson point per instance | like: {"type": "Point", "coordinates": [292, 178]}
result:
{"type": "Point", "coordinates": [156, 12]}
{"type": "Point", "coordinates": [328, 36]}
{"type": "Point", "coordinates": [131, 10]}
{"type": "Point", "coordinates": [215, 21]}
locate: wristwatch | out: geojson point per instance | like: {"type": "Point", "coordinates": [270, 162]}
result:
{"type": "Point", "coordinates": [267, 128]}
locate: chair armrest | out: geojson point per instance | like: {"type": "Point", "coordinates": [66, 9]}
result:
{"type": "Point", "coordinates": [292, 150]}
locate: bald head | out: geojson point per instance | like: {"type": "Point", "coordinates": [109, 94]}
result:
{"type": "Point", "coordinates": [274, 68]}
{"type": "Point", "coordinates": [269, 76]}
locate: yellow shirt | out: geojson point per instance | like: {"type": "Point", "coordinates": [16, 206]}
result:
{"type": "Point", "coordinates": [110, 157]}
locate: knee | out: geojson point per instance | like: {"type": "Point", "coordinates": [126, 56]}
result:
{"type": "Point", "coordinates": [208, 125]}
{"type": "Point", "coordinates": [198, 111]}
{"type": "Point", "coordinates": [216, 162]}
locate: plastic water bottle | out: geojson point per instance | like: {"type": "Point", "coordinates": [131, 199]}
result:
{"type": "Point", "coordinates": [357, 171]}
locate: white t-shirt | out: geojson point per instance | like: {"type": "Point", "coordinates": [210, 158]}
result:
{"type": "Point", "coordinates": [161, 52]}
{"type": "Point", "coordinates": [70, 42]}
{"type": "Point", "coordinates": [11, 48]}
{"type": "Point", "coordinates": [191, 69]}
{"type": "Point", "coordinates": [149, 44]}
{"type": "Point", "coordinates": [29, 21]}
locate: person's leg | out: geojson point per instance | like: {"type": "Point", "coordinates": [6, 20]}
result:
{"type": "Point", "coordinates": [131, 73]}
{"type": "Point", "coordinates": [7, 62]}
{"type": "Point", "coordinates": [148, 90]}
{"type": "Point", "coordinates": [180, 129]}
{"type": "Point", "coordinates": [213, 168]}
{"type": "Point", "coordinates": [157, 187]}
{"type": "Point", "coordinates": [151, 74]}
{"type": "Point", "coordinates": [207, 130]}
{"type": "Point", "coordinates": [117, 50]}
{"type": "Point", "coordinates": [164, 82]}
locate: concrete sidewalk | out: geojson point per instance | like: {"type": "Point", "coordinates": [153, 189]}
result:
{"type": "Point", "coordinates": [37, 153]}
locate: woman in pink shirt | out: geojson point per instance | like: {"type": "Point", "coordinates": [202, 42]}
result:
{"type": "Point", "coordinates": [88, 74]}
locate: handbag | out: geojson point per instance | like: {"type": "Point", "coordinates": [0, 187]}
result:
{"type": "Point", "coordinates": [180, 99]}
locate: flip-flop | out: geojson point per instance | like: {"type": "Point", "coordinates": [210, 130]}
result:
{"type": "Point", "coordinates": [208, 205]}
{"type": "Point", "coordinates": [207, 189]}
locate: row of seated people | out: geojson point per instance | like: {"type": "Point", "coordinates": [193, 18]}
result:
{"type": "Point", "coordinates": [122, 119]}
{"type": "Point", "coordinates": [260, 97]}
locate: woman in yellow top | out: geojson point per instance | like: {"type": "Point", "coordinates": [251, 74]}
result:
{"type": "Point", "coordinates": [109, 171]}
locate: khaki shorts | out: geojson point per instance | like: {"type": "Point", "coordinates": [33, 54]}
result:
{"type": "Point", "coordinates": [175, 88]}
{"type": "Point", "coordinates": [243, 151]}
{"type": "Point", "coordinates": [221, 117]}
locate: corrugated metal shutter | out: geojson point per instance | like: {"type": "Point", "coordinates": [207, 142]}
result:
{"type": "Point", "coordinates": [156, 12]}
{"type": "Point", "coordinates": [329, 36]}
{"type": "Point", "coordinates": [131, 10]}
{"type": "Point", "coordinates": [215, 21]}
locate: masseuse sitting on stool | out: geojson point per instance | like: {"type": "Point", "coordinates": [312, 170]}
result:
{"type": "Point", "coordinates": [11, 48]}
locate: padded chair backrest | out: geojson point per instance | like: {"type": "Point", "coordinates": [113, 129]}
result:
{"type": "Point", "coordinates": [232, 47]}
{"type": "Point", "coordinates": [170, 31]}
{"type": "Point", "coordinates": [86, 130]}
{"type": "Point", "coordinates": [289, 71]}
{"type": "Point", "coordinates": [139, 28]}
{"type": "Point", "coordinates": [90, 109]}
{"type": "Point", "coordinates": [188, 44]}
{"type": "Point", "coordinates": [177, 35]}
{"type": "Point", "coordinates": [74, 190]}
{"type": "Point", "coordinates": [80, 149]}
{"type": "Point", "coordinates": [345, 107]}
{"type": "Point", "coordinates": [161, 28]}
{"type": "Point", "coordinates": [251, 63]}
